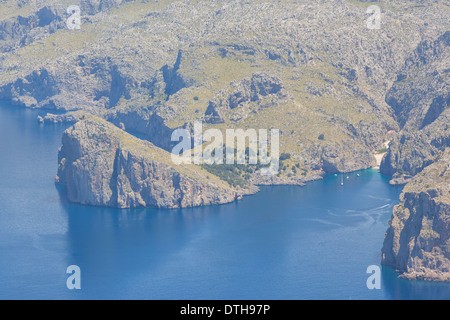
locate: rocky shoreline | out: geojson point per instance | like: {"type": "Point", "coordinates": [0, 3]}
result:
{"type": "Point", "coordinates": [417, 243]}
{"type": "Point", "coordinates": [102, 165]}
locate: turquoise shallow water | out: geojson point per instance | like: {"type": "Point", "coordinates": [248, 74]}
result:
{"type": "Point", "coordinates": [314, 242]}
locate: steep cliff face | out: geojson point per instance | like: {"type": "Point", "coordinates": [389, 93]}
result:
{"type": "Point", "coordinates": [23, 30]}
{"type": "Point", "coordinates": [24, 22]}
{"type": "Point", "coordinates": [420, 99]}
{"type": "Point", "coordinates": [347, 156]}
{"type": "Point", "coordinates": [143, 122]}
{"type": "Point", "coordinates": [245, 96]}
{"type": "Point", "coordinates": [418, 240]}
{"type": "Point", "coordinates": [102, 165]}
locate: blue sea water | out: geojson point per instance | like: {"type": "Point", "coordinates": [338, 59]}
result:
{"type": "Point", "coordinates": [312, 242]}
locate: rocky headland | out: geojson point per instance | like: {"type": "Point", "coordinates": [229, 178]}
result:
{"type": "Point", "coordinates": [417, 243]}
{"type": "Point", "coordinates": [103, 165]}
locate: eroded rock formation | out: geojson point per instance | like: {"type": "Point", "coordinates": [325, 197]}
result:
{"type": "Point", "coordinates": [103, 165]}
{"type": "Point", "coordinates": [418, 241]}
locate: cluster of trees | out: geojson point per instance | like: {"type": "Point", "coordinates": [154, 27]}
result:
{"type": "Point", "coordinates": [238, 175]}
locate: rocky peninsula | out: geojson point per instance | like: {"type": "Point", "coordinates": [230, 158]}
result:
{"type": "Point", "coordinates": [103, 165]}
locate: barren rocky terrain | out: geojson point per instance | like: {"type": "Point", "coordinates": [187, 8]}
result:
{"type": "Point", "coordinates": [342, 94]}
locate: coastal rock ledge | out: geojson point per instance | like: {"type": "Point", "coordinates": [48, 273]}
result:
{"type": "Point", "coordinates": [102, 165]}
{"type": "Point", "coordinates": [417, 244]}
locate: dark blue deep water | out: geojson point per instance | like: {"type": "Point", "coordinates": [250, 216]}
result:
{"type": "Point", "coordinates": [314, 242]}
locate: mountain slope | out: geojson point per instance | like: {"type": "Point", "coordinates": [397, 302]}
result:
{"type": "Point", "coordinates": [168, 60]}
{"type": "Point", "coordinates": [421, 100]}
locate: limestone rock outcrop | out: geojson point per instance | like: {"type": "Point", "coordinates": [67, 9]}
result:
{"type": "Point", "coordinates": [103, 165]}
{"type": "Point", "coordinates": [417, 243]}
{"type": "Point", "coordinates": [420, 99]}
{"type": "Point", "coordinates": [243, 97]}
